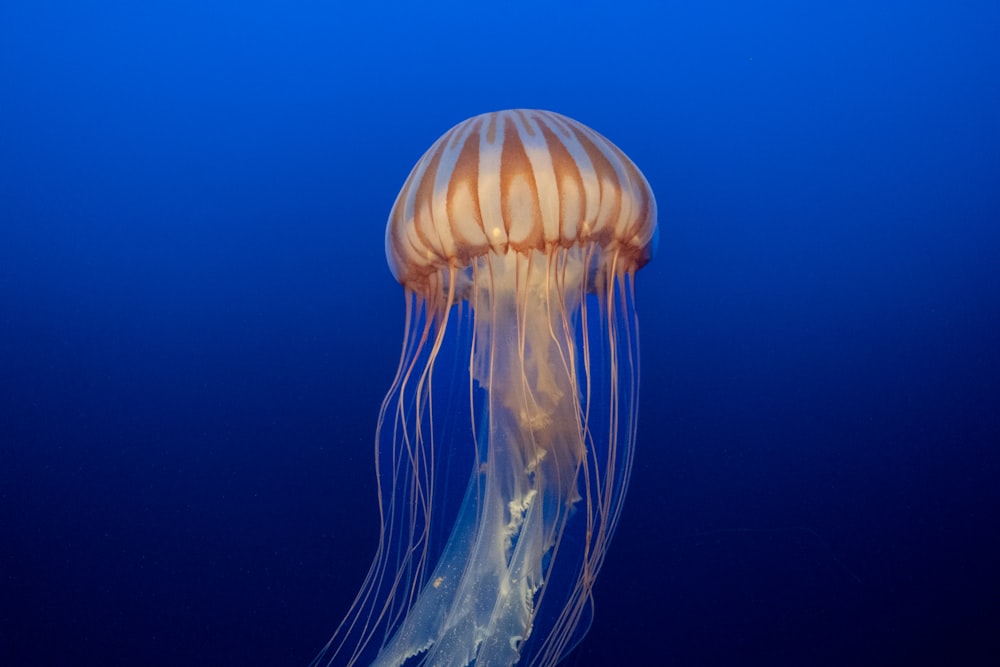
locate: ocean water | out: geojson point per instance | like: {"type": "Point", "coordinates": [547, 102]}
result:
{"type": "Point", "coordinates": [197, 324]}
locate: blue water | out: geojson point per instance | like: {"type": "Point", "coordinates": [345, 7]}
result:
{"type": "Point", "coordinates": [197, 323]}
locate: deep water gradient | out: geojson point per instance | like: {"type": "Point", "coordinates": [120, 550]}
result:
{"type": "Point", "coordinates": [197, 324]}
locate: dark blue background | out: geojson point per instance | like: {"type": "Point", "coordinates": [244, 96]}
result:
{"type": "Point", "coordinates": [197, 323]}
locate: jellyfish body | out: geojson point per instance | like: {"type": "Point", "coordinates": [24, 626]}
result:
{"type": "Point", "coordinates": [516, 238]}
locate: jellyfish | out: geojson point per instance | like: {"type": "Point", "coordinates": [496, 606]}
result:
{"type": "Point", "coordinates": [505, 443]}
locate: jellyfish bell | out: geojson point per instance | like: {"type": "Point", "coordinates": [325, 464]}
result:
{"type": "Point", "coordinates": [516, 238]}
